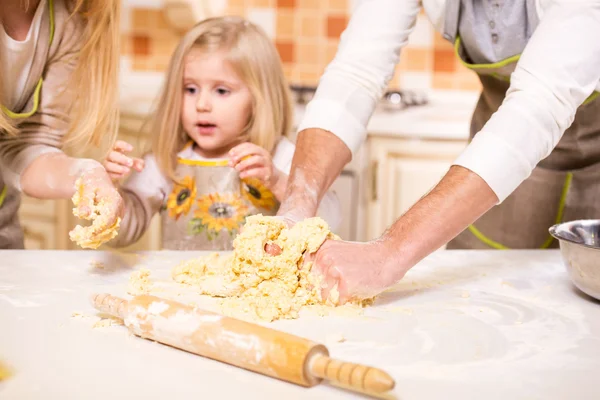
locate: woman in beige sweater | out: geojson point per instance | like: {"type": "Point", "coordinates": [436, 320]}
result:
{"type": "Point", "coordinates": [58, 84]}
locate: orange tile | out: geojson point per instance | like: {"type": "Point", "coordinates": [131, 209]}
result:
{"type": "Point", "coordinates": [286, 51]}
{"type": "Point", "coordinates": [468, 80]}
{"type": "Point", "coordinates": [139, 63]}
{"type": "Point", "coordinates": [237, 11]}
{"type": "Point", "coordinates": [261, 3]}
{"type": "Point", "coordinates": [126, 45]}
{"type": "Point", "coordinates": [161, 22]}
{"type": "Point", "coordinates": [285, 24]}
{"type": "Point", "coordinates": [439, 43]}
{"type": "Point", "coordinates": [310, 76]}
{"type": "Point", "coordinates": [164, 46]}
{"type": "Point", "coordinates": [310, 25]}
{"type": "Point", "coordinates": [330, 52]}
{"type": "Point", "coordinates": [336, 25]}
{"type": "Point", "coordinates": [307, 54]}
{"type": "Point", "coordinates": [140, 45]}
{"type": "Point", "coordinates": [139, 19]}
{"type": "Point", "coordinates": [443, 61]}
{"type": "Point", "coordinates": [417, 59]}
{"type": "Point", "coordinates": [286, 3]}
{"type": "Point", "coordinates": [338, 6]}
{"type": "Point", "coordinates": [443, 80]}
{"type": "Point", "coordinates": [236, 3]}
{"type": "Point", "coordinates": [309, 4]}
{"type": "Point", "coordinates": [288, 71]}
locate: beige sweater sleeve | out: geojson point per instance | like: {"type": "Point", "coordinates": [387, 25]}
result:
{"type": "Point", "coordinates": [43, 132]}
{"type": "Point", "coordinates": [144, 194]}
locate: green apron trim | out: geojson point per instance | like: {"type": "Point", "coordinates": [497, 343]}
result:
{"type": "Point", "coordinates": [561, 208]}
{"type": "Point", "coordinates": [36, 93]}
{"type": "Point", "coordinates": [38, 88]}
{"type": "Point", "coordinates": [501, 64]}
{"type": "Point", "coordinates": [3, 195]}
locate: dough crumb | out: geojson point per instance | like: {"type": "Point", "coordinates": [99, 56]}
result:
{"type": "Point", "coordinates": [98, 264]}
{"type": "Point", "coordinates": [465, 294]}
{"type": "Point", "coordinates": [255, 285]}
{"type": "Point", "coordinates": [335, 338]}
{"type": "Point", "coordinates": [139, 282]}
{"type": "Point", "coordinates": [108, 321]}
{"type": "Point", "coordinates": [77, 314]}
{"type": "Point", "coordinates": [99, 232]}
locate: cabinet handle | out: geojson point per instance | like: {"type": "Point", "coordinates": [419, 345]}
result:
{"type": "Point", "coordinates": [374, 172]}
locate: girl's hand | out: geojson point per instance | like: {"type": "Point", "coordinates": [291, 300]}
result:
{"type": "Point", "coordinates": [118, 165]}
{"type": "Point", "coordinates": [252, 161]}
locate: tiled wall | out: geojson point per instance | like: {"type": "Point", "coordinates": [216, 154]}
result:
{"type": "Point", "coordinates": [306, 34]}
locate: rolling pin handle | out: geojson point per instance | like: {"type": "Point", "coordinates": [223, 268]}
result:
{"type": "Point", "coordinates": [109, 304]}
{"type": "Point", "coordinates": [355, 376]}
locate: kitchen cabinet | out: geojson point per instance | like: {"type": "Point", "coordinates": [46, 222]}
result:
{"type": "Point", "coordinates": [401, 171]}
{"type": "Point", "coordinates": [45, 223]}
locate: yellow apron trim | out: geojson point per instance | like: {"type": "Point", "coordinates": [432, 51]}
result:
{"type": "Point", "coordinates": [203, 163]}
{"type": "Point", "coordinates": [38, 87]}
{"type": "Point", "coordinates": [3, 195]}
{"type": "Point", "coordinates": [561, 208]}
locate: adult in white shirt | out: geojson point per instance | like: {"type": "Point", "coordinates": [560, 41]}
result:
{"type": "Point", "coordinates": [535, 153]}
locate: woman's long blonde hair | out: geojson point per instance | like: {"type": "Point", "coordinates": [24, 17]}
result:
{"type": "Point", "coordinates": [254, 58]}
{"type": "Point", "coordinates": [94, 83]}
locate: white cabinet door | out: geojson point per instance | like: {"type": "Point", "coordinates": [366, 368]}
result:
{"type": "Point", "coordinates": [346, 189]}
{"type": "Point", "coordinates": [401, 172]}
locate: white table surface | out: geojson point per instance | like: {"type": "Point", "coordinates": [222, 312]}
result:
{"type": "Point", "coordinates": [461, 325]}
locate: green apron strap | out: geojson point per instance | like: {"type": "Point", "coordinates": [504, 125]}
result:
{"type": "Point", "coordinates": [38, 87]}
{"type": "Point", "coordinates": [559, 215]}
{"type": "Point", "coordinates": [3, 195]}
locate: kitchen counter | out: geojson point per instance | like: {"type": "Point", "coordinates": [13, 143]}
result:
{"type": "Point", "coordinates": [461, 325]}
{"type": "Point", "coordinates": [446, 116]}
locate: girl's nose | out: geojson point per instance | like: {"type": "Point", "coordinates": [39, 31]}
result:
{"type": "Point", "coordinates": [203, 102]}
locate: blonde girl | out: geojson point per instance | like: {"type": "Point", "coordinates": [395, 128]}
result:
{"type": "Point", "coordinates": [219, 151]}
{"type": "Point", "coordinates": [58, 83]}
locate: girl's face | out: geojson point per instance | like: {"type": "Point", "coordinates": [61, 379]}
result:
{"type": "Point", "coordinates": [216, 103]}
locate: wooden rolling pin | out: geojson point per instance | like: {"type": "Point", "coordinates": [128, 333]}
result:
{"type": "Point", "coordinates": [243, 344]}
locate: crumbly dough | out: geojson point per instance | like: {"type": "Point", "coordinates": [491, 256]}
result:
{"type": "Point", "coordinates": [256, 285]}
{"type": "Point", "coordinates": [106, 322]}
{"type": "Point", "coordinates": [139, 282]}
{"type": "Point", "coordinates": [98, 233]}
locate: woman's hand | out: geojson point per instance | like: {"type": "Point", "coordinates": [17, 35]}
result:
{"type": "Point", "coordinates": [118, 165]}
{"type": "Point", "coordinates": [252, 161]}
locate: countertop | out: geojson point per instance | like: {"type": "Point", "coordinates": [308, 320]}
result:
{"type": "Point", "coordinates": [446, 116]}
{"type": "Point", "coordinates": [461, 325]}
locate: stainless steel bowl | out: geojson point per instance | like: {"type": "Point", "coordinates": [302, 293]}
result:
{"type": "Point", "coordinates": [580, 249]}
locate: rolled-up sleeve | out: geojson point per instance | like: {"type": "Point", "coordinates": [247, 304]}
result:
{"type": "Point", "coordinates": [558, 70]}
{"type": "Point", "coordinates": [355, 80]}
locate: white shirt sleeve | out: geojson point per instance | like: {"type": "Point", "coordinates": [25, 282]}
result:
{"type": "Point", "coordinates": [355, 80]}
{"type": "Point", "coordinates": [329, 208]}
{"type": "Point", "coordinates": [558, 70]}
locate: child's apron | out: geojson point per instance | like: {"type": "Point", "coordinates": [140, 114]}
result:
{"type": "Point", "coordinates": [564, 186]}
{"type": "Point", "coordinates": [209, 204]}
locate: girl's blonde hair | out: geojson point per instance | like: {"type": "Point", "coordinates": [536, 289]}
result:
{"type": "Point", "coordinates": [94, 83]}
{"type": "Point", "coordinates": [254, 58]}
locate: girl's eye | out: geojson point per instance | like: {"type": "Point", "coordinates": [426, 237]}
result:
{"type": "Point", "coordinates": [190, 90]}
{"type": "Point", "coordinates": [222, 91]}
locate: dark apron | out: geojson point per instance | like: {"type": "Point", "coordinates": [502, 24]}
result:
{"type": "Point", "coordinates": [563, 187]}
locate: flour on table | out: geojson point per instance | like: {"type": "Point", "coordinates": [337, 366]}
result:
{"type": "Point", "coordinates": [256, 285]}
{"type": "Point", "coordinates": [139, 282]}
